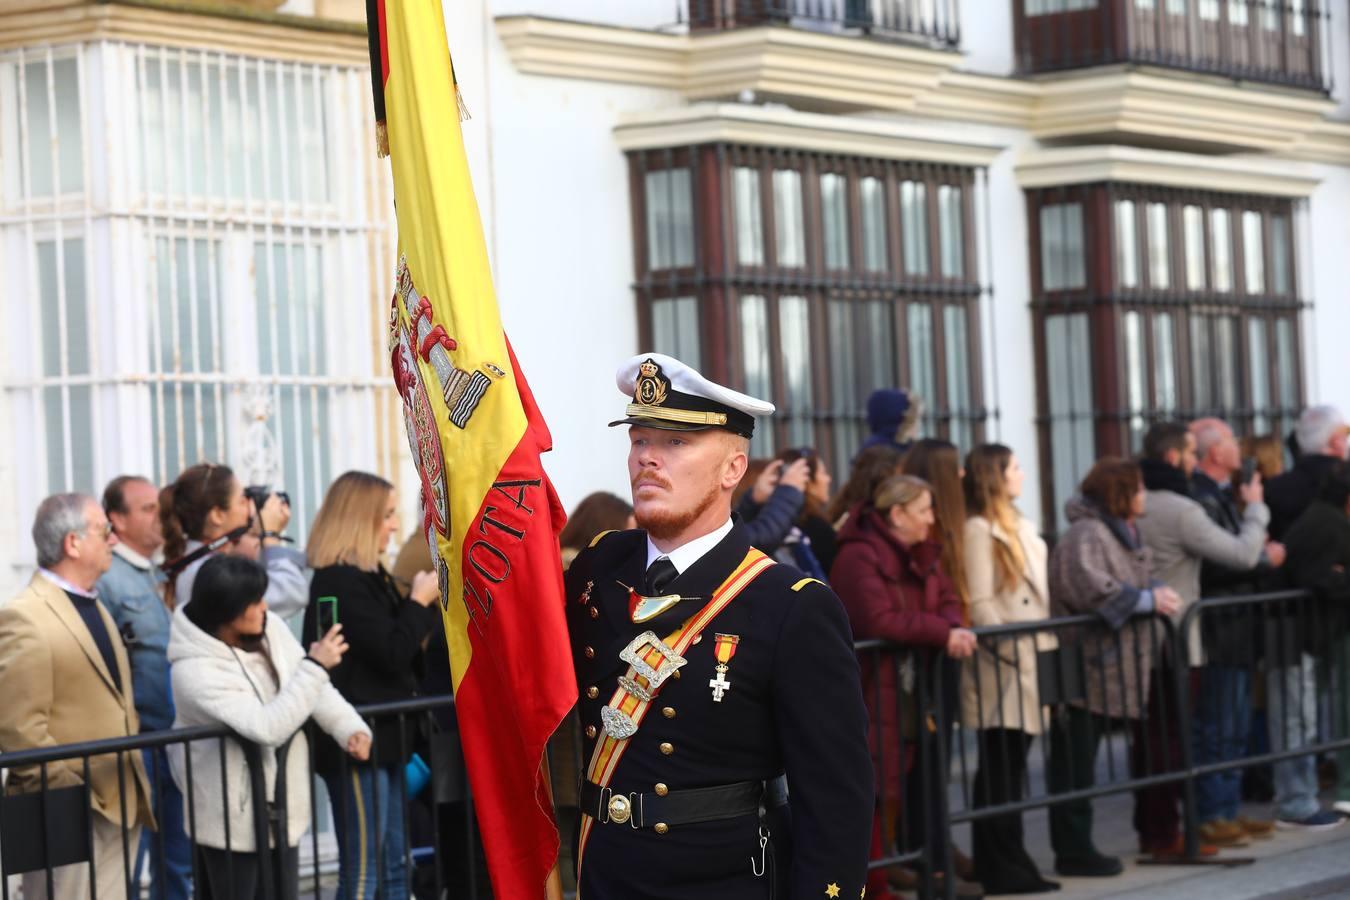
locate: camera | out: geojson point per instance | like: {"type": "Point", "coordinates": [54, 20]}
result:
{"type": "Point", "coordinates": [261, 493]}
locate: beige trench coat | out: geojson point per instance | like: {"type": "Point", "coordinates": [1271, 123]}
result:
{"type": "Point", "coordinates": [999, 683]}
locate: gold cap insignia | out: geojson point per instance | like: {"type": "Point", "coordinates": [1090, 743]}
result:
{"type": "Point", "coordinates": [651, 387]}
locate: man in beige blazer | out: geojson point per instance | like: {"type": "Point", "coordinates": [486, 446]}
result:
{"type": "Point", "coordinates": [65, 678]}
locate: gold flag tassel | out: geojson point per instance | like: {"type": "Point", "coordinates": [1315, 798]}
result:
{"type": "Point", "coordinates": [459, 95]}
{"type": "Point", "coordinates": [381, 140]}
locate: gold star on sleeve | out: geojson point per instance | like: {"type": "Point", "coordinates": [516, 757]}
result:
{"type": "Point", "coordinates": [831, 890]}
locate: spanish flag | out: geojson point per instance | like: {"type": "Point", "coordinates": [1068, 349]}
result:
{"type": "Point", "coordinates": [489, 510]}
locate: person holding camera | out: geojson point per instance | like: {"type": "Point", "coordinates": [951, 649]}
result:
{"type": "Point", "coordinates": [238, 665]}
{"type": "Point", "coordinates": [207, 511]}
{"type": "Point", "coordinates": [387, 631]}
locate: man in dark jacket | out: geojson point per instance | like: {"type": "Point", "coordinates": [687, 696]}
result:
{"type": "Point", "coordinates": [1319, 562]}
{"type": "Point", "coordinates": [1322, 443]}
{"type": "Point", "coordinates": [1222, 719]}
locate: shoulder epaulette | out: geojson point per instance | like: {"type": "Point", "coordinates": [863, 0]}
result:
{"type": "Point", "coordinates": [805, 581]}
{"type": "Point", "coordinates": [595, 540]}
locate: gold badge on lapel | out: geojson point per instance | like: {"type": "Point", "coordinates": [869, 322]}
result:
{"type": "Point", "coordinates": [724, 648]}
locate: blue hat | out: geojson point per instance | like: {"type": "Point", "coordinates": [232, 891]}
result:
{"type": "Point", "coordinates": [893, 415]}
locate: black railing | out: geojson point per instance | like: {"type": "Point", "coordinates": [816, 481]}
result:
{"type": "Point", "coordinates": [932, 22]}
{"type": "Point", "coordinates": [1280, 42]}
{"type": "Point", "coordinates": [1166, 704]}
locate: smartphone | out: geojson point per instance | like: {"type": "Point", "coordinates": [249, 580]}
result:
{"type": "Point", "coordinates": [328, 614]}
{"type": "Point", "coordinates": [1247, 471]}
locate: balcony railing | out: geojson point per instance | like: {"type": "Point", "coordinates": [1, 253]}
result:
{"type": "Point", "coordinates": [933, 22]}
{"type": "Point", "coordinates": [1272, 41]}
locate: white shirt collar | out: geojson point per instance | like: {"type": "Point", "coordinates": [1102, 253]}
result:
{"type": "Point", "coordinates": [66, 585]}
{"type": "Point", "coordinates": [686, 555]}
{"type": "Point", "coordinates": [132, 557]}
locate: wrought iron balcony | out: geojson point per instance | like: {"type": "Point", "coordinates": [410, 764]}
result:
{"type": "Point", "coordinates": [1272, 41]}
{"type": "Point", "coordinates": [932, 22]}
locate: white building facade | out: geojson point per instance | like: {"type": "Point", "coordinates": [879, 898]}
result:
{"type": "Point", "coordinates": [1054, 220]}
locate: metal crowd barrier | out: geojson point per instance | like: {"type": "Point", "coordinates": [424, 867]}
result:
{"type": "Point", "coordinates": [1151, 707]}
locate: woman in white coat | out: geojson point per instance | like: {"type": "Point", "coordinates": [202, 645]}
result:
{"type": "Point", "coordinates": [1005, 563]}
{"type": "Point", "coordinates": [236, 664]}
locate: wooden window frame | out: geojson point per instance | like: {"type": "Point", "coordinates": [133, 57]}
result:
{"type": "Point", "coordinates": [718, 281]}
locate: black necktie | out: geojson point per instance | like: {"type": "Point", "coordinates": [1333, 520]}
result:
{"type": "Point", "coordinates": [659, 576]}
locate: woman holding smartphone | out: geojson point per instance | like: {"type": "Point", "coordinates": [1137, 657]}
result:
{"type": "Point", "coordinates": [386, 632]}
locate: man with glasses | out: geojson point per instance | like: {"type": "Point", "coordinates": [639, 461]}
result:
{"type": "Point", "coordinates": [65, 678]}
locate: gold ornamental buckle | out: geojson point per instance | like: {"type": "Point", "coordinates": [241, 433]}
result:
{"type": "Point", "coordinates": [620, 809]}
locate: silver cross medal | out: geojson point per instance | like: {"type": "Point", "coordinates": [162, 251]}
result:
{"type": "Point", "coordinates": [719, 685]}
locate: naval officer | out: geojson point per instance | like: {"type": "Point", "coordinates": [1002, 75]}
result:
{"type": "Point", "coordinates": [725, 731]}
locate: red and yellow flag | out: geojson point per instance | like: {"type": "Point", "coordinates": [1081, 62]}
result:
{"type": "Point", "coordinates": [489, 510]}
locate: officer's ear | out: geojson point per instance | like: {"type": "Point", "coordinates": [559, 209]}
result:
{"type": "Point", "coordinates": [737, 460]}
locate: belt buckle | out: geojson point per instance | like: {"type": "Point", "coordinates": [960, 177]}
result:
{"type": "Point", "coordinates": [670, 660]}
{"type": "Point", "coordinates": [620, 809]}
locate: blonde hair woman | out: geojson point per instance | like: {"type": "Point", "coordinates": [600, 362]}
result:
{"type": "Point", "coordinates": [1005, 561]}
{"type": "Point", "coordinates": [385, 631]}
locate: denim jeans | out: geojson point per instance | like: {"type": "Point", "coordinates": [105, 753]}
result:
{"type": "Point", "coordinates": [368, 815]}
{"type": "Point", "coordinates": [1220, 729]}
{"type": "Point", "coordinates": [167, 852]}
{"type": "Point", "coordinates": [1291, 705]}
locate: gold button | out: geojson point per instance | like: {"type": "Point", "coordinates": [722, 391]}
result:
{"type": "Point", "coordinates": [595, 613]}
{"type": "Point", "coordinates": [676, 673]}
{"type": "Point", "coordinates": [590, 731]}
{"type": "Point", "coordinates": [590, 652]}
{"type": "Point", "coordinates": [592, 692]}
{"type": "Point", "coordinates": [668, 712]}
{"type": "Point", "coordinates": [660, 828]}
{"type": "Point", "coordinates": [662, 790]}
{"type": "Point", "coordinates": [667, 748]}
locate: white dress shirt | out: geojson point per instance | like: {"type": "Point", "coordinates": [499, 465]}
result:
{"type": "Point", "coordinates": [685, 555]}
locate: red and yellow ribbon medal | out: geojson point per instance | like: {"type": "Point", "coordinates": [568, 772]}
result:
{"type": "Point", "coordinates": [724, 649]}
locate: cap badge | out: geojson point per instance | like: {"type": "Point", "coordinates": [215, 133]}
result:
{"type": "Point", "coordinates": [651, 385]}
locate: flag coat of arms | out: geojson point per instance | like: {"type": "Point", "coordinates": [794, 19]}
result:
{"type": "Point", "coordinates": [489, 510]}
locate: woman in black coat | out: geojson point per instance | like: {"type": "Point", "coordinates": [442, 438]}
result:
{"type": "Point", "coordinates": [386, 632]}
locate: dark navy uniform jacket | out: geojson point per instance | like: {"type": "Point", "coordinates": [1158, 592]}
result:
{"type": "Point", "coordinates": [795, 706]}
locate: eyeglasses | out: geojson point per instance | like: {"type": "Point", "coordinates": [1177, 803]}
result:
{"type": "Point", "coordinates": [105, 532]}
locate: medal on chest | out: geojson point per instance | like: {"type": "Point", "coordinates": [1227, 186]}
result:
{"type": "Point", "coordinates": [724, 648]}
{"type": "Point", "coordinates": [644, 609]}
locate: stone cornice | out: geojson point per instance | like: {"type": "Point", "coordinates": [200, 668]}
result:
{"type": "Point", "coordinates": [1061, 166]}
{"type": "Point", "coordinates": [249, 32]}
{"type": "Point", "coordinates": [762, 126]}
{"type": "Point", "coordinates": [844, 74]}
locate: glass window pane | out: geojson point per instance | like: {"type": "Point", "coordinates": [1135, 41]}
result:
{"type": "Point", "coordinates": [1259, 366]}
{"type": "Point", "coordinates": [670, 219]}
{"type": "Point", "coordinates": [873, 203]}
{"type": "Point", "coordinates": [53, 153]}
{"type": "Point", "coordinates": [1286, 365]}
{"type": "Point", "coordinates": [1221, 242]}
{"type": "Point", "coordinates": [914, 226]}
{"type": "Point", "coordinates": [879, 346]}
{"type": "Point", "coordinates": [957, 353]}
{"type": "Point", "coordinates": [794, 320]}
{"type": "Point", "coordinates": [1165, 363]}
{"type": "Point", "coordinates": [1280, 281]}
{"type": "Point", "coordinates": [1127, 249]}
{"type": "Point", "coordinates": [1135, 384]}
{"type": "Point", "coordinates": [1201, 365]}
{"type": "Point", "coordinates": [1193, 224]}
{"type": "Point", "coordinates": [950, 232]}
{"type": "Point", "coordinates": [1069, 376]}
{"type": "Point", "coordinates": [845, 394]}
{"type": "Point", "coordinates": [787, 215]}
{"type": "Point", "coordinates": [834, 219]}
{"type": "Point", "coordinates": [1159, 274]}
{"type": "Point", "coordinates": [1225, 359]}
{"type": "Point", "coordinates": [1237, 12]}
{"type": "Point", "coordinates": [1209, 10]}
{"type": "Point", "coordinates": [1062, 264]}
{"type": "Point", "coordinates": [922, 373]}
{"type": "Point", "coordinates": [754, 313]}
{"type": "Point", "coordinates": [1253, 252]}
{"type": "Point", "coordinates": [60, 280]}
{"type": "Point", "coordinates": [749, 219]}
{"type": "Point", "coordinates": [675, 329]}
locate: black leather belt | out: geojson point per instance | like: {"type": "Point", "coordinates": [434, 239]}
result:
{"type": "Point", "coordinates": [658, 811]}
